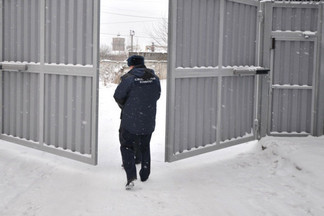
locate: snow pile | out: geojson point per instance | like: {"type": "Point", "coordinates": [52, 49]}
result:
{"type": "Point", "coordinates": [276, 176]}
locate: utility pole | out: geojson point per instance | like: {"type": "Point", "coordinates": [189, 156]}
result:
{"type": "Point", "coordinates": [153, 47]}
{"type": "Point", "coordinates": [132, 33]}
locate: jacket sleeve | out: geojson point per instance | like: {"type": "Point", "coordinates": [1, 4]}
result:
{"type": "Point", "coordinates": [159, 84]}
{"type": "Point", "coordinates": [121, 92]}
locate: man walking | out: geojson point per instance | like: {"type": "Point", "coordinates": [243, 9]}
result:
{"type": "Point", "coordinates": [137, 95]}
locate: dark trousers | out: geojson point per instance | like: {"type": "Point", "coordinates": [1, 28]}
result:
{"type": "Point", "coordinates": [128, 143]}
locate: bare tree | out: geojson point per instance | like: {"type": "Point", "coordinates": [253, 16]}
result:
{"type": "Point", "coordinates": [104, 52]}
{"type": "Point", "coordinates": [159, 34]}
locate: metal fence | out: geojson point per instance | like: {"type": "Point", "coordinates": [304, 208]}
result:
{"type": "Point", "coordinates": [210, 104]}
{"type": "Point", "coordinates": [49, 75]}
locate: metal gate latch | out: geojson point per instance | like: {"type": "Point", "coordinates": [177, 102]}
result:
{"type": "Point", "coordinates": [308, 34]}
{"type": "Point", "coordinates": [250, 71]}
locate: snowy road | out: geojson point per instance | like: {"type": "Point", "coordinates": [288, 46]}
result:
{"type": "Point", "coordinates": [286, 178]}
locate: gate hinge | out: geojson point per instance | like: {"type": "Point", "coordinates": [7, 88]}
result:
{"type": "Point", "coordinates": [260, 16]}
{"type": "Point", "coordinates": [273, 43]}
{"type": "Point", "coordinates": [256, 125]}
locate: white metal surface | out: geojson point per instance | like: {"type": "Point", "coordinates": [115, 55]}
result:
{"type": "Point", "coordinates": [49, 81]}
{"type": "Point", "coordinates": [294, 67]}
{"type": "Point", "coordinates": [208, 106]}
{"type": "Point", "coordinates": [320, 80]}
{"type": "Point", "coordinates": [211, 103]}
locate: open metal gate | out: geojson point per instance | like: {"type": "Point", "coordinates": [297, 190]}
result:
{"type": "Point", "coordinates": [213, 86]}
{"type": "Point", "coordinates": [215, 97]}
{"type": "Point", "coordinates": [49, 75]}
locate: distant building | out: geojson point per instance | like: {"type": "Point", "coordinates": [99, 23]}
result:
{"type": "Point", "coordinates": [156, 48]}
{"type": "Point", "coordinates": [118, 44]}
{"type": "Point", "coordinates": [151, 55]}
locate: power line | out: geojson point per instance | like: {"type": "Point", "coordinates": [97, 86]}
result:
{"type": "Point", "coordinates": [123, 35]}
{"type": "Point", "coordinates": [139, 36]}
{"type": "Point", "coordinates": [119, 14]}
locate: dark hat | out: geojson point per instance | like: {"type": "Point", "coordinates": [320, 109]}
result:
{"type": "Point", "coordinates": [135, 60]}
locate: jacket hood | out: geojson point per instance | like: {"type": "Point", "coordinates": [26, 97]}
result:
{"type": "Point", "coordinates": [142, 72]}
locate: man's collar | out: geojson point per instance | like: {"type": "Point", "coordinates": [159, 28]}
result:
{"type": "Point", "coordinates": [139, 66]}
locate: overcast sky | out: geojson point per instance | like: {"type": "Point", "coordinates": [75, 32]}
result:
{"type": "Point", "coordinates": [121, 16]}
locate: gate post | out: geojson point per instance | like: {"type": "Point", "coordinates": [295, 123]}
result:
{"type": "Point", "coordinates": [266, 7]}
{"type": "Point", "coordinates": [320, 109]}
{"type": "Point", "coordinates": [1, 59]}
{"type": "Point", "coordinates": [170, 81]}
{"type": "Point", "coordinates": [1, 31]}
{"type": "Point", "coordinates": [42, 8]}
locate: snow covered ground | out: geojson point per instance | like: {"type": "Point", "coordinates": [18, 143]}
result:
{"type": "Point", "coordinates": [285, 177]}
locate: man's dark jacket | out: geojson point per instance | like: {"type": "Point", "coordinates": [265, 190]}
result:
{"type": "Point", "coordinates": [137, 95]}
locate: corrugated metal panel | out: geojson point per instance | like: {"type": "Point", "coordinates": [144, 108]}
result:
{"type": "Point", "coordinates": [69, 32]}
{"type": "Point", "coordinates": [237, 107]}
{"type": "Point", "coordinates": [68, 112]}
{"type": "Point", "coordinates": [197, 33]}
{"type": "Point", "coordinates": [294, 63]}
{"type": "Point", "coordinates": [295, 19]}
{"type": "Point", "coordinates": [320, 119]}
{"type": "Point", "coordinates": [45, 106]}
{"type": "Point", "coordinates": [208, 107]}
{"type": "Point", "coordinates": [294, 68]}
{"type": "Point", "coordinates": [195, 113]}
{"type": "Point", "coordinates": [239, 47]}
{"type": "Point", "coordinates": [291, 110]}
{"type": "Point", "coordinates": [21, 30]}
{"type": "Point", "coordinates": [20, 96]}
